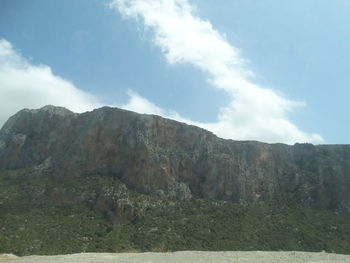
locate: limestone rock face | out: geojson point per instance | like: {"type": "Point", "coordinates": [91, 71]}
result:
{"type": "Point", "coordinates": [172, 160]}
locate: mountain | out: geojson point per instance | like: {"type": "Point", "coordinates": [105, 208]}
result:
{"type": "Point", "coordinates": [151, 183]}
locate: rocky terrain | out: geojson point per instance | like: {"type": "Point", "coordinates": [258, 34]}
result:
{"type": "Point", "coordinates": [172, 160]}
{"type": "Point", "coordinates": [119, 170]}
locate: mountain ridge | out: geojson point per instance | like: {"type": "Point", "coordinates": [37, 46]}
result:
{"type": "Point", "coordinates": [119, 180]}
{"type": "Point", "coordinates": [169, 159]}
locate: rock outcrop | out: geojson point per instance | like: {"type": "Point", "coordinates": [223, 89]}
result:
{"type": "Point", "coordinates": [172, 160]}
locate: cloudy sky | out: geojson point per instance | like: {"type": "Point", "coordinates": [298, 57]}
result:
{"type": "Point", "coordinates": [274, 71]}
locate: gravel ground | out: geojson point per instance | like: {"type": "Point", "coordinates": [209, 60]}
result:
{"type": "Point", "coordinates": [181, 257]}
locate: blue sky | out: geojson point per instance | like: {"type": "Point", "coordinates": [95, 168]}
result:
{"type": "Point", "coordinates": [297, 49]}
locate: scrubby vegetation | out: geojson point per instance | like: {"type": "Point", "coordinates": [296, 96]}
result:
{"type": "Point", "coordinates": [44, 215]}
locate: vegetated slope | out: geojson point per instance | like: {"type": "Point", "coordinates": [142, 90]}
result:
{"type": "Point", "coordinates": [113, 180]}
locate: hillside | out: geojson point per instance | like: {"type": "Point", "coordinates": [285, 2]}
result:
{"type": "Point", "coordinates": [113, 180]}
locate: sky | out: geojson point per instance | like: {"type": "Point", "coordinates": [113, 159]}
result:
{"type": "Point", "coordinates": [273, 71]}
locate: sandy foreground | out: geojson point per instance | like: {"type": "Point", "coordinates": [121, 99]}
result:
{"type": "Point", "coordinates": [181, 257]}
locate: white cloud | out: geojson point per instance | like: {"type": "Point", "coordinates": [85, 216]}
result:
{"type": "Point", "coordinates": [24, 85]}
{"type": "Point", "coordinates": [255, 112]}
{"type": "Point", "coordinates": [141, 105]}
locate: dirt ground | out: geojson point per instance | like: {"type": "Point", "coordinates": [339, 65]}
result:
{"type": "Point", "coordinates": [184, 256]}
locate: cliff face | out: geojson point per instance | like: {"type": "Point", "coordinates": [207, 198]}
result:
{"type": "Point", "coordinates": [172, 160]}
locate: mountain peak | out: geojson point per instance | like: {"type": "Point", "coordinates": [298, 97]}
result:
{"type": "Point", "coordinates": [55, 110]}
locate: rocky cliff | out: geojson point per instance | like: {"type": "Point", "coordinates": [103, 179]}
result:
{"type": "Point", "coordinates": [171, 160]}
{"type": "Point", "coordinates": [112, 180]}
